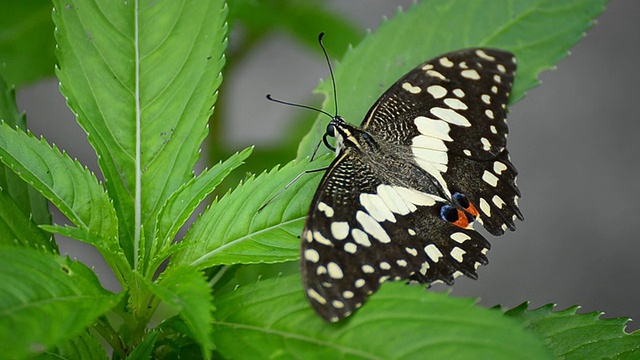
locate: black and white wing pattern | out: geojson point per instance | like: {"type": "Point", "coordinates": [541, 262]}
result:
{"type": "Point", "coordinates": [399, 200]}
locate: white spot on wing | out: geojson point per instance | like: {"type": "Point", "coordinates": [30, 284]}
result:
{"type": "Point", "coordinates": [340, 230]}
{"type": "Point", "coordinates": [499, 167]}
{"type": "Point", "coordinates": [433, 252]}
{"type": "Point", "coordinates": [321, 239]}
{"type": "Point", "coordinates": [360, 237]}
{"type": "Point", "coordinates": [424, 267]}
{"type": "Point", "coordinates": [368, 269]}
{"type": "Point", "coordinates": [433, 127]}
{"type": "Point", "coordinates": [484, 55]}
{"type": "Point", "coordinates": [455, 104]}
{"type": "Point", "coordinates": [371, 226]}
{"type": "Point", "coordinates": [326, 209]}
{"type": "Point", "coordinates": [486, 145]}
{"type": "Point", "coordinates": [444, 61]}
{"type": "Point", "coordinates": [351, 248]}
{"type": "Point", "coordinates": [470, 74]}
{"type": "Point", "coordinates": [311, 255]}
{"type": "Point", "coordinates": [436, 74]}
{"type": "Point", "coordinates": [489, 178]}
{"type": "Point", "coordinates": [334, 270]}
{"type": "Point", "coordinates": [450, 116]}
{"type": "Point", "coordinates": [486, 99]}
{"type": "Point", "coordinates": [385, 265]}
{"type": "Point", "coordinates": [359, 283]}
{"type": "Point", "coordinates": [337, 304]}
{"type": "Point", "coordinates": [456, 254]}
{"type": "Point", "coordinates": [394, 201]}
{"type": "Point", "coordinates": [410, 88]}
{"type": "Point", "coordinates": [411, 251]}
{"type": "Point", "coordinates": [315, 296]}
{"type": "Point", "coordinates": [489, 113]}
{"type": "Point", "coordinates": [437, 91]}
{"type": "Point", "coordinates": [428, 142]}
{"type": "Point", "coordinates": [376, 207]}
{"type": "Point", "coordinates": [417, 197]}
{"type": "Point", "coordinates": [497, 200]}
{"type": "Point", "coordinates": [458, 92]}
{"type": "Point", "coordinates": [484, 207]}
{"type": "Point", "coordinates": [459, 237]}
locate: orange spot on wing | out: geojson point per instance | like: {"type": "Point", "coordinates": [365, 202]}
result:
{"type": "Point", "coordinates": [472, 210]}
{"type": "Point", "coordinates": [462, 221]}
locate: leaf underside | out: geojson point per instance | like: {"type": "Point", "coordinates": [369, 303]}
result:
{"type": "Point", "coordinates": [46, 300]}
{"type": "Point", "coordinates": [570, 335]}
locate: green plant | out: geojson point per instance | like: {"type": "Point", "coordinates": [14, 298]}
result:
{"type": "Point", "coordinates": [141, 78]}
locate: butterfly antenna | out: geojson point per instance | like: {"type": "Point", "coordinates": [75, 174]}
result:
{"type": "Point", "coordinates": [333, 79]}
{"type": "Point", "coordinates": [271, 98]}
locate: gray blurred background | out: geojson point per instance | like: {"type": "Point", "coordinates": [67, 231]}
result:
{"type": "Point", "coordinates": [574, 140]}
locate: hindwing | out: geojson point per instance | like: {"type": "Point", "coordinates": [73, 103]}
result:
{"type": "Point", "coordinates": [365, 228]}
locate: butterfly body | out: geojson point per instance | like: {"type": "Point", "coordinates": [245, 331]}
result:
{"type": "Point", "coordinates": [399, 200]}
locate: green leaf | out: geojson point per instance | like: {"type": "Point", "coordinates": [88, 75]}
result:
{"type": "Point", "coordinates": [141, 76]}
{"type": "Point", "coordinates": [304, 19]}
{"type": "Point", "coordinates": [580, 336]}
{"type": "Point", "coordinates": [110, 250]}
{"type": "Point", "coordinates": [16, 228]}
{"type": "Point", "coordinates": [233, 231]}
{"type": "Point", "coordinates": [22, 206]}
{"type": "Point", "coordinates": [538, 32]}
{"type": "Point", "coordinates": [145, 348]}
{"type": "Point", "coordinates": [272, 319]}
{"type": "Point", "coordinates": [70, 187]}
{"type": "Point", "coordinates": [45, 300]}
{"type": "Point", "coordinates": [185, 290]}
{"type": "Point", "coordinates": [183, 202]}
{"type": "Point", "coordinates": [84, 346]}
{"type": "Point", "coordinates": [26, 41]}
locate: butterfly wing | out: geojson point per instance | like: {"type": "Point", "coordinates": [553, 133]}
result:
{"type": "Point", "coordinates": [364, 228]}
{"type": "Point", "coordinates": [451, 112]}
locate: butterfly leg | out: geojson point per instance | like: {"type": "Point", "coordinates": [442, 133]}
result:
{"type": "Point", "coordinates": [289, 184]}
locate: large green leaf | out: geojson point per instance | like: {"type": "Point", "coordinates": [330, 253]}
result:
{"type": "Point", "coordinates": [183, 202]}
{"type": "Point", "coordinates": [185, 290]}
{"type": "Point", "coordinates": [580, 336]}
{"type": "Point", "coordinates": [538, 32]}
{"type": "Point", "coordinates": [22, 206]}
{"type": "Point", "coordinates": [84, 346]}
{"type": "Point", "coordinates": [70, 187]}
{"type": "Point", "coordinates": [234, 231]}
{"type": "Point", "coordinates": [45, 299]}
{"type": "Point", "coordinates": [26, 41]}
{"type": "Point", "coordinates": [141, 76]}
{"type": "Point", "coordinates": [272, 319]}
{"type": "Point", "coordinates": [17, 228]}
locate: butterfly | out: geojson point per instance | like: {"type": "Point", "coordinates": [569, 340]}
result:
{"type": "Point", "coordinates": [400, 199]}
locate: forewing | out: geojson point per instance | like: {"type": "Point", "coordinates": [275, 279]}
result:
{"type": "Point", "coordinates": [451, 112]}
{"type": "Point", "coordinates": [362, 231]}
